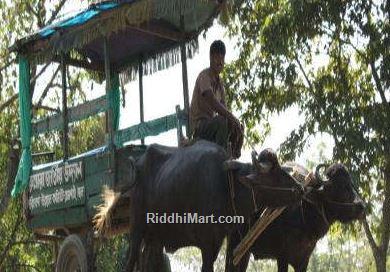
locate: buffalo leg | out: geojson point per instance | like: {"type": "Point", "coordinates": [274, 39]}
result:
{"type": "Point", "coordinates": [282, 265]}
{"type": "Point", "coordinates": [232, 241]}
{"type": "Point", "coordinates": [152, 258]}
{"type": "Point", "coordinates": [136, 239]}
{"type": "Point", "coordinates": [243, 264]}
{"type": "Point", "coordinates": [302, 267]}
{"type": "Point", "coordinates": [229, 254]}
{"type": "Point", "coordinates": [208, 258]}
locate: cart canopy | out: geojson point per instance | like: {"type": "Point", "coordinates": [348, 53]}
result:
{"type": "Point", "coordinates": [151, 29]}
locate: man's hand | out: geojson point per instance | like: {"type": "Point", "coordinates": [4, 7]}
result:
{"type": "Point", "coordinates": [221, 109]}
{"type": "Point", "coordinates": [236, 137]}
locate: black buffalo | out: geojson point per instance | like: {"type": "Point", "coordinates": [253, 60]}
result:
{"type": "Point", "coordinates": [193, 180]}
{"type": "Point", "coordinates": [292, 237]}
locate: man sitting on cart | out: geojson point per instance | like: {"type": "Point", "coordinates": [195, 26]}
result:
{"type": "Point", "coordinates": [209, 118]}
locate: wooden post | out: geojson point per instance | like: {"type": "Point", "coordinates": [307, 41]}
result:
{"type": "Point", "coordinates": [179, 132]}
{"type": "Point", "coordinates": [109, 112]}
{"type": "Point", "coordinates": [107, 69]}
{"type": "Point", "coordinates": [65, 140]}
{"type": "Point", "coordinates": [141, 94]}
{"type": "Point", "coordinates": [185, 77]}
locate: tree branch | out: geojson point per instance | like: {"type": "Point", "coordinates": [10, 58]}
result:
{"type": "Point", "coordinates": [31, 9]}
{"type": "Point", "coordinates": [55, 12]}
{"type": "Point", "coordinates": [9, 102]}
{"type": "Point", "coordinates": [12, 169]}
{"type": "Point", "coordinates": [10, 241]}
{"type": "Point", "coordinates": [39, 74]}
{"type": "Point", "coordinates": [370, 238]}
{"type": "Point", "coordinates": [386, 210]}
{"type": "Point", "coordinates": [347, 42]}
{"type": "Point", "coordinates": [377, 82]}
{"type": "Point", "coordinates": [16, 96]}
{"type": "Point", "coordinates": [7, 64]}
{"type": "Point", "coordinates": [304, 73]}
{"type": "Point", "coordinates": [48, 86]}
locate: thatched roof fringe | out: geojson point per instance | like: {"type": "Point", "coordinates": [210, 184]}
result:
{"type": "Point", "coordinates": [159, 61]}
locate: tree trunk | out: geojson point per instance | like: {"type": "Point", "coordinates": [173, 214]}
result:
{"type": "Point", "coordinates": [380, 252]}
{"type": "Point", "coordinates": [12, 169]}
{"type": "Point", "coordinates": [380, 262]}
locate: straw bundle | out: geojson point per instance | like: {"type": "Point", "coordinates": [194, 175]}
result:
{"type": "Point", "coordinates": [261, 224]}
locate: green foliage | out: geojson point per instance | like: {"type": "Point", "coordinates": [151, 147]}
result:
{"type": "Point", "coordinates": [19, 249]}
{"type": "Point", "coordinates": [111, 254]}
{"type": "Point", "coordinates": [331, 59]}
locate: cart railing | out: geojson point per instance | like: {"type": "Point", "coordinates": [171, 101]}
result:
{"type": "Point", "coordinates": [151, 128]}
{"type": "Point", "coordinates": [77, 113]}
{"type": "Point", "coordinates": [136, 132]}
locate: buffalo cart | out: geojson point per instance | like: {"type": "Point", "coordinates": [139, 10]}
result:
{"type": "Point", "coordinates": [115, 41]}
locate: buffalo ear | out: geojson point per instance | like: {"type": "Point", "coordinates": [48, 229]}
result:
{"type": "Point", "coordinates": [248, 180]}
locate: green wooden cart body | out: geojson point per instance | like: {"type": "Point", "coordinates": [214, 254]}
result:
{"type": "Point", "coordinates": [64, 195]}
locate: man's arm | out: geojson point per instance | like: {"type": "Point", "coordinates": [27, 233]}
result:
{"type": "Point", "coordinates": [220, 108]}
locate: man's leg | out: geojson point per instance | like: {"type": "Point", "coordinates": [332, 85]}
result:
{"type": "Point", "coordinates": [236, 138]}
{"type": "Point", "coordinates": [220, 127]}
{"type": "Point", "coordinates": [214, 130]}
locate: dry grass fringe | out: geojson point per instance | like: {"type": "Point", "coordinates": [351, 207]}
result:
{"type": "Point", "coordinates": [103, 217]}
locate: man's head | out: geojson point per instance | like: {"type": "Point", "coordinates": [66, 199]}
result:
{"type": "Point", "coordinates": [217, 56]}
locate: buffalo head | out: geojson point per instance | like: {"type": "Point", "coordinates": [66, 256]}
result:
{"type": "Point", "coordinates": [271, 185]}
{"type": "Point", "coordinates": [338, 193]}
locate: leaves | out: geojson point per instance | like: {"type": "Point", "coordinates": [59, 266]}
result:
{"type": "Point", "coordinates": [331, 58]}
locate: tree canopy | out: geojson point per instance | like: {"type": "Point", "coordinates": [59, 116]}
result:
{"type": "Point", "coordinates": [331, 60]}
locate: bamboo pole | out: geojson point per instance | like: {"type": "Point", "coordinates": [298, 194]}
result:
{"type": "Point", "coordinates": [107, 68]}
{"type": "Point", "coordinates": [185, 77]}
{"type": "Point", "coordinates": [261, 224]}
{"type": "Point", "coordinates": [65, 144]}
{"type": "Point", "coordinates": [141, 94]}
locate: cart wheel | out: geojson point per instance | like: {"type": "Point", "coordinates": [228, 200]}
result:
{"type": "Point", "coordinates": [72, 256]}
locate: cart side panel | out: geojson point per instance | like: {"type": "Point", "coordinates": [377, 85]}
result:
{"type": "Point", "coordinates": [68, 218]}
{"type": "Point", "coordinates": [59, 194]}
{"type": "Point", "coordinates": [56, 186]}
{"type": "Point", "coordinates": [58, 202]}
{"type": "Point", "coordinates": [99, 174]}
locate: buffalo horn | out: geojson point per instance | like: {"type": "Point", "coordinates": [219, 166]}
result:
{"type": "Point", "coordinates": [254, 159]}
{"type": "Point", "coordinates": [231, 165]}
{"type": "Point", "coordinates": [262, 167]}
{"type": "Point", "coordinates": [317, 172]}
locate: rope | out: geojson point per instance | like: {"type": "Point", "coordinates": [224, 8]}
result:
{"type": "Point", "coordinates": [254, 200]}
{"type": "Point", "coordinates": [232, 197]}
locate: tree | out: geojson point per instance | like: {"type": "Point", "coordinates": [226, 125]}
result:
{"type": "Point", "coordinates": [331, 59]}
{"type": "Point", "coordinates": [19, 250]}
